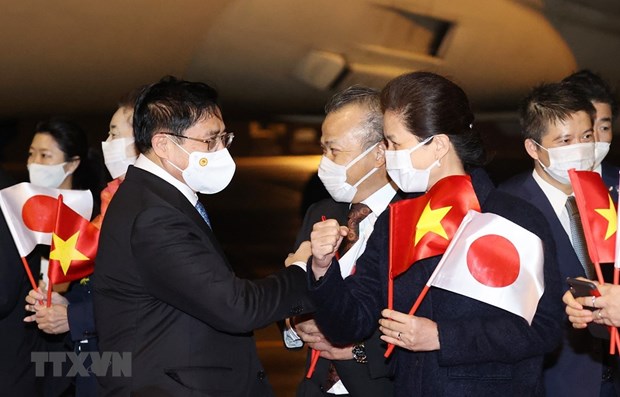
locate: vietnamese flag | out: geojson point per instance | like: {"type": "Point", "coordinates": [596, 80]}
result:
{"type": "Point", "coordinates": [422, 227]}
{"type": "Point", "coordinates": [598, 215]}
{"type": "Point", "coordinates": [74, 246]}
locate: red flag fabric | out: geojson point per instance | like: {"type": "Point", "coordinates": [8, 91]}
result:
{"type": "Point", "coordinates": [598, 214]}
{"type": "Point", "coordinates": [422, 227]}
{"type": "Point", "coordinates": [617, 258]}
{"type": "Point", "coordinates": [30, 212]}
{"type": "Point", "coordinates": [74, 246]}
{"type": "Point", "coordinates": [495, 261]}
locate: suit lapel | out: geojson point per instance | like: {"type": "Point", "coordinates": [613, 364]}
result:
{"type": "Point", "coordinates": [567, 259]}
{"type": "Point", "coordinates": [175, 198]}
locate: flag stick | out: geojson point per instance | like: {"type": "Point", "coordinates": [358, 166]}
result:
{"type": "Point", "coordinates": [390, 291]}
{"type": "Point", "coordinates": [56, 228]}
{"type": "Point", "coordinates": [49, 294]}
{"type": "Point", "coordinates": [599, 273]}
{"type": "Point", "coordinates": [615, 341]}
{"type": "Point", "coordinates": [414, 308]}
{"type": "Point", "coordinates": [314, 357]}
{"type": "Point", "coordinates": [29, 273]}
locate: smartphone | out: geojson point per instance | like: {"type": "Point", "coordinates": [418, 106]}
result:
{"type": "Point", "coordinates": [581, 288]}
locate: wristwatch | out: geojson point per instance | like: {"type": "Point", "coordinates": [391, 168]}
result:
{"type": "Point", "coordinates": [359, 353]}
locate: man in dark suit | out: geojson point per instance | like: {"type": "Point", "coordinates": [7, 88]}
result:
{"type": "Point", "coordinates": [163, 290]}
{"type": "Point", "coordinates": [556, 122]}
{"type": "Point", "coordinates": [597, 91]}
{"type": "Point", "coordinates": [353, 172]}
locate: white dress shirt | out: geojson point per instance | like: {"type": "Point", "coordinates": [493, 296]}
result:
{"type": "Point", "coordinates": [144, 163]}
{"type": "Point", "coordinates": [557, 199]}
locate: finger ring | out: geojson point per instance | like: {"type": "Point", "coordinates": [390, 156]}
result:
{"type": "Point", "coordinates": [594, 301]}
{"type": "Point", "coordinates": [599, 315]}
{"type": "Point", "coordinates": [398, 336]}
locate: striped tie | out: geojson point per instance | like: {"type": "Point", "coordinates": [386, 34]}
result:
{"type": "Point", "coordinates": [578, 237]}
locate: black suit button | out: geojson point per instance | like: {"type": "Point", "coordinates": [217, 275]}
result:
{"type": "Point", "coordinates": [296, 310]}
{"type": "Point", "coordinates": [260, 375]}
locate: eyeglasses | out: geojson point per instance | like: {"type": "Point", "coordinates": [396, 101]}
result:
{"type": "Point", "coordinates": [224, 138]}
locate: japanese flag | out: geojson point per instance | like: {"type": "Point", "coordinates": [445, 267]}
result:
{"type": "Point", "coordinates": [30, 212]}
{"type": "Point", "coordinates": [495, 261]}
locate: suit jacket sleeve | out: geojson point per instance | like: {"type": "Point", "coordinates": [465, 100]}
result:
{"type": "Point", "coordinates": [327, 208]}
{"type": "Point", "coordinates": [357, 301]}
{"type": "Point", "coordinates": [181, 266]}
{"type": "Point", "coordinates": [80, 313]}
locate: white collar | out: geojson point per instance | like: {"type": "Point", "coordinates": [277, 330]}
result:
{"type": "Point", "coordinates": [379, 200]}
{"type": "Point", "coordinates": [556, 197]}
{"type": "Point", "coordinates": [144, 163]}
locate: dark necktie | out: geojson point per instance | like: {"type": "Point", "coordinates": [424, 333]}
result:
{"type": "Point", "coordinates": [578, 237]}
{"type": "Point", "coordinates": [203, 213]}
{"type": "Point", "coordinates": [357, 214]}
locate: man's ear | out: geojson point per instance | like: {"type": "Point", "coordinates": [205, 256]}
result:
{"type": "Point", "coordinates": [531, 148]}
{"type": "Point", "coordinates": [160, 142]}
{"type": "Point", "coordinates": [380, 155]}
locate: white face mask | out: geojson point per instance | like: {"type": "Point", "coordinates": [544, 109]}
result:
{"type": "Point", "coordinates": [334, 177]}
{"type": "Point", "coordinates": [600, 151]}
{"type": "Point", "coordinates": [207, 172]}
{"type": "Point", "coordinates": [579, 156]}
{"type": "Point", "coordinates": [47, 175]}
{"type": "Point", "coordinates": [115, 155]}
{"type": "Point", "coordinates": [400, 168]}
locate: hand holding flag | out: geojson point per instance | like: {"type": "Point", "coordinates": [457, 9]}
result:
{"type": "Point", "coordinates": [30, 213]}
{"type": "Point", "coordinates": [492, 260]}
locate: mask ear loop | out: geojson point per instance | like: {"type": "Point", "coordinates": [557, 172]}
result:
{"type": "Point", "coordinates": [419, 145]}
{"type": "Point", "coordinates": [368, 175]}
{"type": "Point", "coordinates": [540, 162]}
{"type": "Point", "coordinates": [176, 144]}
{"type": "Point", "coordinates": [361, 156]}
{"type": "Point", "coordinates": [539, 145]}
{"type": "Point", "coordinates": [179, 146]}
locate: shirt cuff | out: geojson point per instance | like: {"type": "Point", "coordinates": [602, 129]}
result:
{"type": "Point", "coordinates": [301, 264]}
{"type": "Point", "coordinates": [291, 339]}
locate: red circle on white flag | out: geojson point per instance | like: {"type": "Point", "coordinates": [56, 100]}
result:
{"type": "Point", "coordinates": [39, 213]}
{"type": "Point", "coordinates": [493, 261]}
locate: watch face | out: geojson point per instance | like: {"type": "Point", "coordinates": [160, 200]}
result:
{"type": "Point", "coordinates": [359, 353]}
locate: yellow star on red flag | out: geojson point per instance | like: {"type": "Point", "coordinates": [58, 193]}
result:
{"type": "Point", "coordinates": [611, 216]}
{"type": "Point", "coordinates": [430, 222]}
{"type": "Point", "coordinates": [65, 251]}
